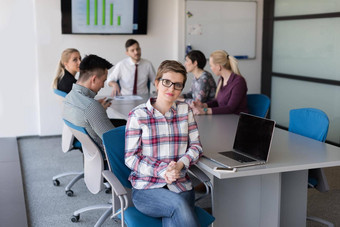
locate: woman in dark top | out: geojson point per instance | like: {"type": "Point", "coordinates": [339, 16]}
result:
{"type": "Point", "coordinates": [67, 68]}
{"type": "Point", "coordinates": [231, 94]}
{"type": "Point", "coordinates": [203, 85]}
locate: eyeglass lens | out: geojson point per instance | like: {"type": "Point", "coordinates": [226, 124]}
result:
{"type": "Point", "coordinates": [168, 83]}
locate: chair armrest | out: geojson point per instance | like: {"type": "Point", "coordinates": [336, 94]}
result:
{"type": "Point", "coordinates": [116, 186]}
{"type": "Point", "coordinates": [199, 174]}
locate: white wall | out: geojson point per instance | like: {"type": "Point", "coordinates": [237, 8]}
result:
{"type": "Point", "coordinates": [18, 87]}
{"type": "Point", "coordinates": [31, 44]}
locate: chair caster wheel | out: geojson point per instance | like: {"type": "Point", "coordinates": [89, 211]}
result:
{"type": "Point", "coordinates": [108, 190]}
{"type": "Point", "coordinates": [56, 182]}
{"type": "Point", "coordinates": [69, 193]}
{"type": "Point", "coordinates": [75, 218]}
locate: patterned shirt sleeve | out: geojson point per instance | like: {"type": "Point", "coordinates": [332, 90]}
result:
{"type": "Point", "coordinates": [97, 117]}
{"type": "Point", "coordinates": [194, 151]}
{"type": "Point", "coordinates": [203, 89]}
{"type": "Point", "coordinates": [134, 158]}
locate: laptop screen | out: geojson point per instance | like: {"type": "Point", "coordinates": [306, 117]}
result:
{"type": "Point", "coordinates": [253, 136]}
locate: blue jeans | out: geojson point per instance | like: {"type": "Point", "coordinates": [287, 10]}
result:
{"type": "Point", "coordinates": [175, 209]}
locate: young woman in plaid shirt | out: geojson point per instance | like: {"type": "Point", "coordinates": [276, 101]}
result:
{"type": "Point", "coordinates": [162, 142]}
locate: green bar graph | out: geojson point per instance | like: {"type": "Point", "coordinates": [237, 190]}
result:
{"type": "Point", "coordinates": [95, 12]}
{"type": "Point", "coordinates": [88, 12]}
{"type": "Point", "coordinates": [111, 14]}
{"type": "Point", "coordinates": [93, 8]}
{"type": "Point", "coordinates": [118, 20]}
{"type": "Point", "coordinates": [103, 17]}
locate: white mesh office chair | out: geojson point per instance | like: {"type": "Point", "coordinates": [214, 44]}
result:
{"type": "Point", "coordinates": [93, 168]}
{"type": "Point", "coordinates": [68, 143]}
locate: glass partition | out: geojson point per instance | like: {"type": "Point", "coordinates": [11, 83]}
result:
{"type": "Point", "coordinates": [303, 7]}
{"type": "Point", "coordinates": [307, 48]}
{"type": "Point", "coordinates": [290, 94]}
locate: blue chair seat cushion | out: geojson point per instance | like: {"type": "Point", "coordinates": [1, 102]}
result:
{"type": "Point", "coordinates": [134, 218]}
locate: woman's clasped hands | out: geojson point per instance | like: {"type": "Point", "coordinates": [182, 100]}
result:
{"type": "Point", "coordinates": [173, 171]}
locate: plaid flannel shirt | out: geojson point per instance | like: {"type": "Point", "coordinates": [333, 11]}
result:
{"type": "Point", "coordinates": [153, 140]}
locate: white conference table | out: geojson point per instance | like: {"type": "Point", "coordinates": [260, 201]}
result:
{"type": "Point", "coordinates": [274, 194]}
{"type": "Point", "coordinates": [121, 108]}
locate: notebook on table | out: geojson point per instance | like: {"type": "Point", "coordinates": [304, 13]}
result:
{"type": "Point", "coordinates": [251, 145]}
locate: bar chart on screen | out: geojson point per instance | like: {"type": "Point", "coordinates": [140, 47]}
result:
{"type": "Point", "coordinates": [102, 16]}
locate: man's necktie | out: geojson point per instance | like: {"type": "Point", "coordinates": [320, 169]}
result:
{"type": "Point", "coordinates": [135, 82]}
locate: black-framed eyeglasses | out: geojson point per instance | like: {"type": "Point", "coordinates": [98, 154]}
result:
{"type": "Point", "coordinates": [168, 83]}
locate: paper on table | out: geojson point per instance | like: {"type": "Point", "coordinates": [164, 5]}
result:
{"type": "Point", "coordinates": [128, 97]}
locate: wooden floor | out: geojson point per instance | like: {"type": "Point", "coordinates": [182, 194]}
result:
{"type": "Point", "coordinates": [12, 199]}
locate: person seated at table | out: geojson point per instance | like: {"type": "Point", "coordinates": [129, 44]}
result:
{"type": "Point", "coordinates": [133, 73]}
{"type": "Point", "coordinates": [203, 86]}
{"type": "Point", "coordinates": [80, 107]}
{"type": "Point", "coordinates": [231, 94]}
{"type": "Point", "coordinates": [162, 142]}
{"type": "Point", "coordinates": [67, 69]}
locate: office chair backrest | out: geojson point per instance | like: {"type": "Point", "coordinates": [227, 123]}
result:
{"type": "Point", "coordinates": [114, 143]}
{"type": "Point", "coordinates": [312, 123]}
{"type": "Point", "coordinates": [68, 142]}
{"type": "Point", "coordinates": [309, 122]}
{"type": "Point", "coordinates": [93, 160]}
{"type": "Point", "coordinates": [258, 104]}
{"type": "Point", "coordinates": [60, 93]}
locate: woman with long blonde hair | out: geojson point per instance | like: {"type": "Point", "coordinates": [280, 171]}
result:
{"type": "Point", "coordinates": [231, 92]}
{"type": "Point", "coordinates": [67, 69]}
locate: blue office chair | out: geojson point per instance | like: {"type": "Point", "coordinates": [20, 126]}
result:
{"type": "Point", "coordinates": [68, 143]}
{"type": "Point", "coordinates": [60, 93]}
{"type": "Point", "coordinates": [93, 168]}
{"type": "Point", "coordinates": [312, 123]}
{"type": "Point", "coordinates": [114, 143]}
{"type": "Point", "coordinates": [258, 104]}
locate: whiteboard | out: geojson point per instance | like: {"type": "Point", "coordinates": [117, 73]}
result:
{"type": "Point", "coordinates": [222, 25]}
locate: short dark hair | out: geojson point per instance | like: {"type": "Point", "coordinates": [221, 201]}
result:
{"type": "Point", "coordinates": [93, 64]}
{"type": "Point", "coordinates": [130, 42]}
{"type": "Point", "coordinates": [196, 55]}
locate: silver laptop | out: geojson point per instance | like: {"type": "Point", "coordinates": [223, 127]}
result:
{"type": "Point", "coordinates": [252, 143]}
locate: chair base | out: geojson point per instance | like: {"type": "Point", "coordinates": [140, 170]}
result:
{"type": "Point", "coordinates": [322, 221]}
{"type": "Point", "coordinates": [101, 220]}
{"type": "Point", "coordinates": [68, 191]}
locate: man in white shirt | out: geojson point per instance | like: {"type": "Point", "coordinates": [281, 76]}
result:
{"type": "Point", "coordinates": [133, 73]}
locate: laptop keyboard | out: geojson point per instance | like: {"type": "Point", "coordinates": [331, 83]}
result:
{"type": "Point", "coordinates": [236, 156]}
